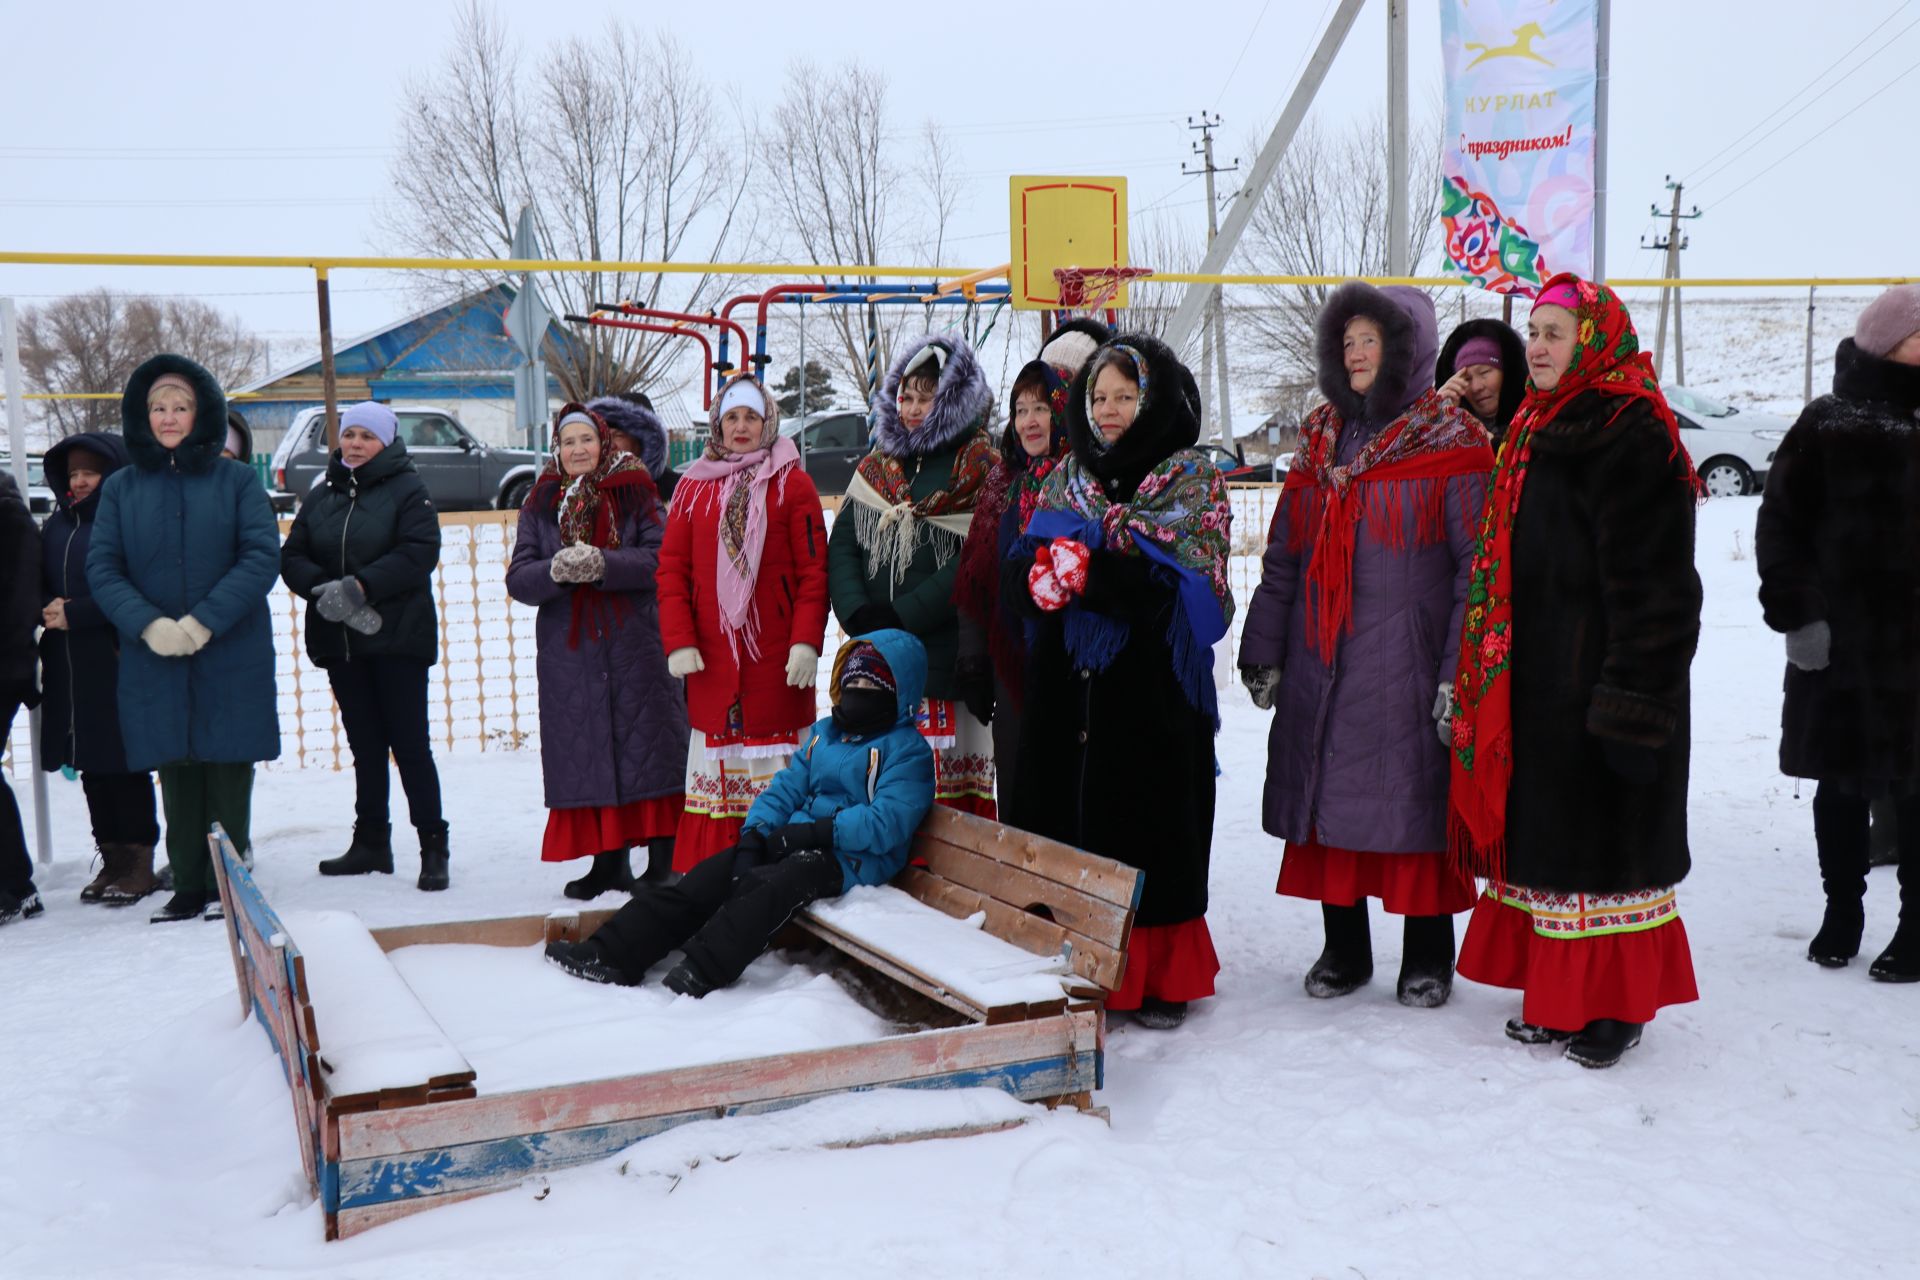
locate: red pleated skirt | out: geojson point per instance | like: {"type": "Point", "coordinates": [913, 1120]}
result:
{"type": "Point", "coordinates": [1172, 962]}
{"type": "Point", "coordinates": [700, 836]}
{"type": "Point", "coordinates": [1407, 884]}
{"type": "Point", "coordinates": [1570, 981]}
{"type": "Point", "coordinates": [581, 833]}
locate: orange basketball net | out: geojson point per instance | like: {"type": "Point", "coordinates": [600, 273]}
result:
{"type": "Point", "coordinates": [1091, 288]}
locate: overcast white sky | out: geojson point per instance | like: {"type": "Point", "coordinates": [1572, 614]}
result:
{"type": "Point", "coordinates": [227, 127]}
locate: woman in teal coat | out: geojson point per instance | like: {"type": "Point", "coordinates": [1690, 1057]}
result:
{"type": "Point", "coordinates": [185, 551]}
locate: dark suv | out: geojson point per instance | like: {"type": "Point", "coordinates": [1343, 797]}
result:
{"type": "Point", "coordinates": [462, 474]}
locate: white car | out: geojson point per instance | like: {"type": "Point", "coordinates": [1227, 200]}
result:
{"type": "Point", "coordinates": [1731, 448]}
{"type": "Point", "coordinates": [39, 497]}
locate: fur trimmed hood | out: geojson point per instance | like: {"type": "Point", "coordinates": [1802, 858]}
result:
{"type": "Point", "coordinates": [1168, 421]}
{"type": "Point", "coordinates": [640, 423]}
{"type": "Point", "coordinates": [1409, 334]}
{"type": "Point", "coordinates": [961, 402]}
{"type": "Point", "coordinates": [201, 449]}
{"type": "Point", "coordinates": [1513, 370]}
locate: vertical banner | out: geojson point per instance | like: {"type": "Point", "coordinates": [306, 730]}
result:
{"type": "Point", "coordinates": [1516, 171]}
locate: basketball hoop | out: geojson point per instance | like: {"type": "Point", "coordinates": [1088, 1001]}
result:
{"type": "Point", "coordinates": [1091, 288]}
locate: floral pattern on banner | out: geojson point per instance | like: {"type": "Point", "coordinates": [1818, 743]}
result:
{"type": "Point", "coordinates": [1565, 916]}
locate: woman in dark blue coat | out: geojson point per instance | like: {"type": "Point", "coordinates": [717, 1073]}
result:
{"type": "Point", "coordinates": [185, 551]}
{"type": "Point", "coordinates": [80, 676]}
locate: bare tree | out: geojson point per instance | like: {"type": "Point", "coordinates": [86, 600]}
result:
{"type": "Point", "coordinates": [616, 145]}
{"type": "Point", "coordinates": [940, 181]}
{"type": "Point", "coordinates": [833, 180]}
{"type": "Point", "coordinates": [92, 342]}
{"type": "Point", "coordinates": [1325, 213]}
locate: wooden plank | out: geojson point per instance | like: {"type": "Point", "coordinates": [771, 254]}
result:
{"type": "Point", "coordinates": [1021, 889]}
{"type": "Point", "coordinates": [500, 931]}
{"type": "Point", "coordinates": [714, 1085]}
{"type": "Point", "coordinates": [906, 975]}
{"type": "Point", "coordinates": [500, 1162]}
{"type": "Point", "coordinates": [232, 926]}
{"type": "Point", "coordinates": [1095, 961]}
{"type": "Point", "coordinates": [1089, 873]}
{"type": "Point", "coordinates": [351, 1222]}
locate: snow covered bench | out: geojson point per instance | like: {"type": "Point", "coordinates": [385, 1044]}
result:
{"type": "Point", "coordinates": [987, 966]}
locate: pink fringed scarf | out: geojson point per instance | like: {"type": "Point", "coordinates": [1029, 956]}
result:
{"type": "Point", "coordinates": [739, 484]}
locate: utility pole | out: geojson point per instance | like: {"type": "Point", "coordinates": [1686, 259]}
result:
{"type": "Point", "coordinates": [1673, 242]}
{"type": "Point", "coordinates": [1216, 331]}
{"type": "Point", "coordinates": [1399, 233]}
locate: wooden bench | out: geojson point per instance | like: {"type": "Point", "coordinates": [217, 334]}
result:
{"type": "Point", "coordinates": [1007, 943]}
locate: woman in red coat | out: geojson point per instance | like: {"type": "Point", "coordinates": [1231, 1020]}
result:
{"type": "Point", "coordinates": [743, 611]}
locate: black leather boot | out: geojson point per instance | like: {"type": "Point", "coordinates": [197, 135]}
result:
{"type": "Point", "coordinates": [1426, 962]}
{"type": "Point", "coordinates": [371, 850]}
{"type": "Point", "coordinates": [1900, 962]}
{"type": "Point", "coordinates": [1840, 834]}
{"type": "Point", "coordinates": [659, 862]}
{"type": "Point", "coordinates": [1346, 963]}
{"type": "Point", "coordinates": [433, 860]}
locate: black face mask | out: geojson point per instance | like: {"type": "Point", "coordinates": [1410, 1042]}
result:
{"type": "Point", "coordinates": [865, 711]}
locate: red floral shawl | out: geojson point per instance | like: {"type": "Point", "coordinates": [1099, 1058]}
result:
{"type": "Point", "coordinates": [1322, 505]}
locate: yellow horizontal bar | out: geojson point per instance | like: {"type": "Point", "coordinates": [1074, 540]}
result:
{"type": "Point", "coordinates": [323, 264]}
{"type": "Point", "coordinates": [108, 395]}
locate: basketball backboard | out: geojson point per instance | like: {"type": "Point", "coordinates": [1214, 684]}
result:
{"type": "Point", "coordinates": [1063, 222]}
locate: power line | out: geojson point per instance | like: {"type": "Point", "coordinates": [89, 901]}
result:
{"type": "Point", "coordinates": [1815, 137]}
{"type": "Point", "coordinates": [1244, 46]}
{"type": "Point", "coordinates": [1803, 106]}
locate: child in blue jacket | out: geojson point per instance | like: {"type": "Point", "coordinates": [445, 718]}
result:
{"type": "Point", "coordinates": [842, 813]}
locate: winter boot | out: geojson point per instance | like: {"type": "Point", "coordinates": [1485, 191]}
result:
{"type": "Point", "coordinates": [1528, 1033]}
{"type": "Point", "coordinates": [684, 980]}
{"type": "Point", "coordinates": [181, 906]}
{"type": "Point", "coordinates": [1346, 963]}
{"type": "Point", "coordinates": [112, 858]}
{"type": "Point", "coordinates": [215, 909]}
{"type": "Point", "coordinates": [1426, 962]}
{"type": "Point", "coordinates": [1900, 962]}
{"type": "Point", "coordinates": [1841, 839]}
{"type": "Point", "coordinates": [1883, 833]}
{"type": "Point", "coordinates": [136, 879]}
{"type": "Point", "coordinates": [433, 860]}
{"type": "Point", "coordinates": [611, 872]}
{"type": "Point", "coordinates": [371, 850]}
{"type": "Point", "coordinates": [20, 906]}
{"type": "Point", "coordinates": [586, 961]}
{"type": "Point", "coordinates": [1604, 1042]}
{"type": "Point", "coordinates": [1160, 1015]}
{"type": "Point", "coordinates": [659, 862]}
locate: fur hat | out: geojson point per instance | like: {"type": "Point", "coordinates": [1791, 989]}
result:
{"type": "Point", "coordinates": [1888, 320]}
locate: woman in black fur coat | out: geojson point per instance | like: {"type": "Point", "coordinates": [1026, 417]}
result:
{"type": "Point", "coordinates": [1570, 730]}
{"type": "Point", "coordinates": [1838, 547]}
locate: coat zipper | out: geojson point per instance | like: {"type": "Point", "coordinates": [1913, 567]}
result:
{"type": "Point", "coordinates": [66, 638]}
{"type": "Point", "coordinates": [353, 501]}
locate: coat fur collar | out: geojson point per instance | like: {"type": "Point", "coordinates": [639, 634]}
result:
{"type": "Point", "coordinates": [1859, 376]}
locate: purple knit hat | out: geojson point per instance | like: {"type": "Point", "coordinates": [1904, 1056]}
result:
{"type": "Point", "coordinates": [1477, 351]}
{"type": "Point", "coordinates": [1889, 320]}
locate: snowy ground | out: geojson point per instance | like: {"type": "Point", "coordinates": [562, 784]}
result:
{"type": "Point", "coordinates": [1771, 1129]}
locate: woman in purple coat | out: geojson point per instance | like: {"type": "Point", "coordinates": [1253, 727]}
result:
{"type": "Point", "coordinates": [613, 722]}
{"type": "Point", "coordinates": [1352, 635]}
